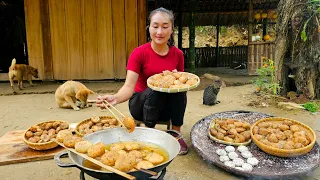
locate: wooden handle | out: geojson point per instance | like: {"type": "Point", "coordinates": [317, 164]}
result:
{"type": "Point", "coordinates": [128, 176]}
{"type": "Point", "coordinates": [115, 109]}
{"type": "Point", "coordinates": [149, 172]}
{"type": "Point", "coordinates": [116, 117]}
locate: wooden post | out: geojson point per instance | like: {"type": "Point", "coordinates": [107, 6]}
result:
{"type": "Point", "coordinates": [250, 23]}
{"type": "Point", "coordinates": [217, 45]}
{"type": "Point", "coordinates": [180, 24]}
{"type": "Point", "coordinates": [192, 34]}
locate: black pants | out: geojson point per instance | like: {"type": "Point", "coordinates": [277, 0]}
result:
{"type": "Point", "coordinates": [152, 106]}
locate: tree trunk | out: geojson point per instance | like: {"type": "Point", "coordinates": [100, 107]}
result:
{"type": "Point", "coordinates": [293, 55]}
{"type": "Point", "coordinates": [192, 35]}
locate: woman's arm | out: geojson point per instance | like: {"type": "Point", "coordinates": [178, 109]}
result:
{"type": "Point", "coordinates": [126, 91]}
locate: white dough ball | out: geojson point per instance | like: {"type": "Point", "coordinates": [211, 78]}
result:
{"type": "Point", "coordinates": [233, 155]}
{"type": "Point", "coordinates": [247, 167]}
{"type": "Point", "coordinates": [242, 148]}
{"type": "Point", "coordinates": [221, 152]}
{"type": "Point", "coordinates": [240, 168]}
{"type": "Point", "coordinates": [252, 161]}
{"type": "Point", "coordinates": [229, 163]}
{"type": "Point", "coordinates": [224, 158]}
{"type": "Point", "coordinates": [246, 154]}
{"type": "Point", "coordinates": [238, 161]}
{"type": "Point", "coordinates": [229, 149]}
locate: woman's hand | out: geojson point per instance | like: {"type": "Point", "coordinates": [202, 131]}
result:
{"type": "Point", "coordinates": [110, 98]}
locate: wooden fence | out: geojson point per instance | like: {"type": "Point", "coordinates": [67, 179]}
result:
{"type": "Point", "coordinates": [257, 50]}
{"type": "Point", "coordinates": [206, 56]}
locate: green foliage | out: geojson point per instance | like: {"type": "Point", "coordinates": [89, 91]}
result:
{"type": "Point", "coordinates": [313, 7]}
{"type": "Point", "coordinates": [266, 78]}
{"type": "Point", "coordinates": [311, 106]}
{"type": "Point", "coordinates": [223, 30]}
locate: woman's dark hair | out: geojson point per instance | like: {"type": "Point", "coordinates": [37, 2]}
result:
{"type": "Point", "coordinates": [171, 17]}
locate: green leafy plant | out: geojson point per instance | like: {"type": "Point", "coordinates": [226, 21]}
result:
{"type": "Point", "coordinates": [266, 78]}
{"type": "Point", "coordinates": [311, 106]}
{"type": "Point", "coordinates": [313, 9]}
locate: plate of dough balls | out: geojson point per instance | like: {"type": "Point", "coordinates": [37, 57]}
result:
{"type": "Point", "coordinates": [230, 132]}
{"type": "Point", "coordinates": [96, 123]}
{"type": "Point", "coordinates": [41, 136]}
{"type": "Point", "coordinates": [173, 82]}
{"type": "Point", "coordinates": [238, 157]}
{"type": "Point", "coordinates": [283, 137]}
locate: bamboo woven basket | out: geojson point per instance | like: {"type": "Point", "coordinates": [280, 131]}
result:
{"type": "Point", "coordinates": [42, 146]}
{"type": "Point", "coordinates": [173, 90]}
{"type": "Point", "coordinates": [85, 121]}
{"type": "Point", "coordinates": [222, 141]}
{"type": "Point", "coordinates": [283, 152]}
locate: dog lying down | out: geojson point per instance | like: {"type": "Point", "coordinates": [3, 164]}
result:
{"type": "Point", "coordinates": [72, 94]}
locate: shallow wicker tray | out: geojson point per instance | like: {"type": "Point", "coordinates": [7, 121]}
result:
{"type": "Point", "coordinates": [42, 146]}
{"type": "Point", "coordinates": [284, 152]}
{"type": "Point", "coordinates": [269, 167]}
{"type": "Point", "coordinates": [76, 130]}
{"type": "Point", "coordinates": [174, 90]}
{"type": "Point", "coordinates": [222, 141]}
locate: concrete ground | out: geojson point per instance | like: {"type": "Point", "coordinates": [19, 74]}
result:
{"type": "Point", "coordinates": [36, 104]}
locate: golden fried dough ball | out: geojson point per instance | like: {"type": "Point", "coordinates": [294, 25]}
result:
{"type": "Point", "coordinates": [228, 139]}
{"type": "Point", "coordinates": [63, 134]}
{"type": "Point", "coordinates": [157, 77]}
{"type": "Point", "coordinates": [70, 141]}
{"type": "Point", "coordinates": [281, 136]}
{"type": "Point", "coordinates": [177, 82]}
{"type": "Point", "coordinates": [154, 158]}
{"type": "Point", "coordinates": [121, 152]}
{"type": "Point", "coordinates": [137, 154]}
{"type": "Point", "coordinates": [144, 165]}
{"type": "Point", "coordinates": [82, 146]}
{"type": "Point", "coordinates": [294, 128]}
{"type": "Point", "coordinates": [284, 127]}
{"type": "Point", "coordinates": [177, 75]}
{"type": "Point", "coordinates": [246, 125]}
{"type": "Point", "coordinates": [225, 127]}
{"type": "Point", "coordinates": [96, 119]}
{"type": "Point", "coordinates": [220, 136]}
{"type": "Point", "coordinates": [231, 126]}
{"type": "Point", "coordinates": [263, 131]}
{"type": "Point", "coordinates": [110, 158]}
{"type": "Point", "coordinates": [238, 124]}
{"type": "Point", "coordinates": [288, 146]}
{"type": "Point", "coordinates": [258, 137]}
{"type": "Point", "coordinates": [166, 73]}
{"type": "Point", "coordinates": [132, 146]}
{"type": "Point", "coordinates": [213, 132]}
{"type": "Point", "coordinates": [63, 126]}
{"type": "Point", "coordinates": [273, 138]}
{"type": "Point", "coordinates": [301, 139]}
{"type": "Point", "coordinates": [298, 145]}
{"type": "Point", "coordinates": [288, 122]}
{"type": "Point", "coordinates": [96, 150]}
{"type": "Point", "coordinates": [33, 140]}
{"type": "Point", "coordinates": [123, 163]}
{"type": "Point", "coordinates": [240, 129]}
{"type": "Point", "coordinates": [299, 134]}
{"type": "Point", "coordinates": [191, 82]}
{"type": "Point", "coordinates": [233, 131]}
{"type": "Point", "coordinates": [29, 134]}
{"type": "Point", "coordinates": [246, 135]}
{"type": "Point", "coordinates": [183, 79]}
{"type": "Point", "coordinates": [44, 138]}
{"type": "Point", "coordinates": [239, 139]}
{"type": "Point", "coordinates": [117, 147]}
{"type": "Point", "coordinates": [265, 141]}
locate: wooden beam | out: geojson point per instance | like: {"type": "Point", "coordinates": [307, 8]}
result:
{"type": "Point", "coordinates": [250, 20]}
{"type": "Point", "coordinates": [217, 45]}
{"type": "Point", "coordinates": [180, 24]}
{"type": "Point", "coordinates": [46, 40]}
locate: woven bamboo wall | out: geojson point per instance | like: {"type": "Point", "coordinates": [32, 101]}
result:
{"type": "Point", "coordinates": [80, 39]}
{"type": "Point", "coordinates": [256, 52]}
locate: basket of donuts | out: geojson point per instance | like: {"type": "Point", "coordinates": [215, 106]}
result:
{"type": "Point", "coordinates": [230, 132]}
{"type": "Point", "coordinates": [96, 123]}
{"type": "Point", "coordinates": [41, 136]}
{"type": "Point", "coordinates": [173, 82]}
{"type": "Point", "coordinates": [283, 137]}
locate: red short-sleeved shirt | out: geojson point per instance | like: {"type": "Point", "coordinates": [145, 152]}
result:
{"type": "Point", "coordinates": [146, 63]}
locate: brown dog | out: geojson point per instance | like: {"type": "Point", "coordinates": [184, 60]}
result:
{"type": "Point", "coordinates": [21, 71]}
{"type": "Point", "coordinates": [69, 92]}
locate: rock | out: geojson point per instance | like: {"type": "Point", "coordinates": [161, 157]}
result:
{"type": "Point", "coordinates": [290, 105]}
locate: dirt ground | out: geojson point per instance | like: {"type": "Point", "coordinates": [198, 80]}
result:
{"type": "Point", "coordinates": [21, 111]}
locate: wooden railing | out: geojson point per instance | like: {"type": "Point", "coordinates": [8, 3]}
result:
{"type": "Point", "coordinates": [206, 56]}
{"type": "Point", "coordinates": [257, 50]}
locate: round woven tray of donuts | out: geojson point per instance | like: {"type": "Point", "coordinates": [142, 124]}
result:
{"type": "Point", "coordinates": [173, 82]}
{"type": "Point", "coordinates": [268, 166]}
